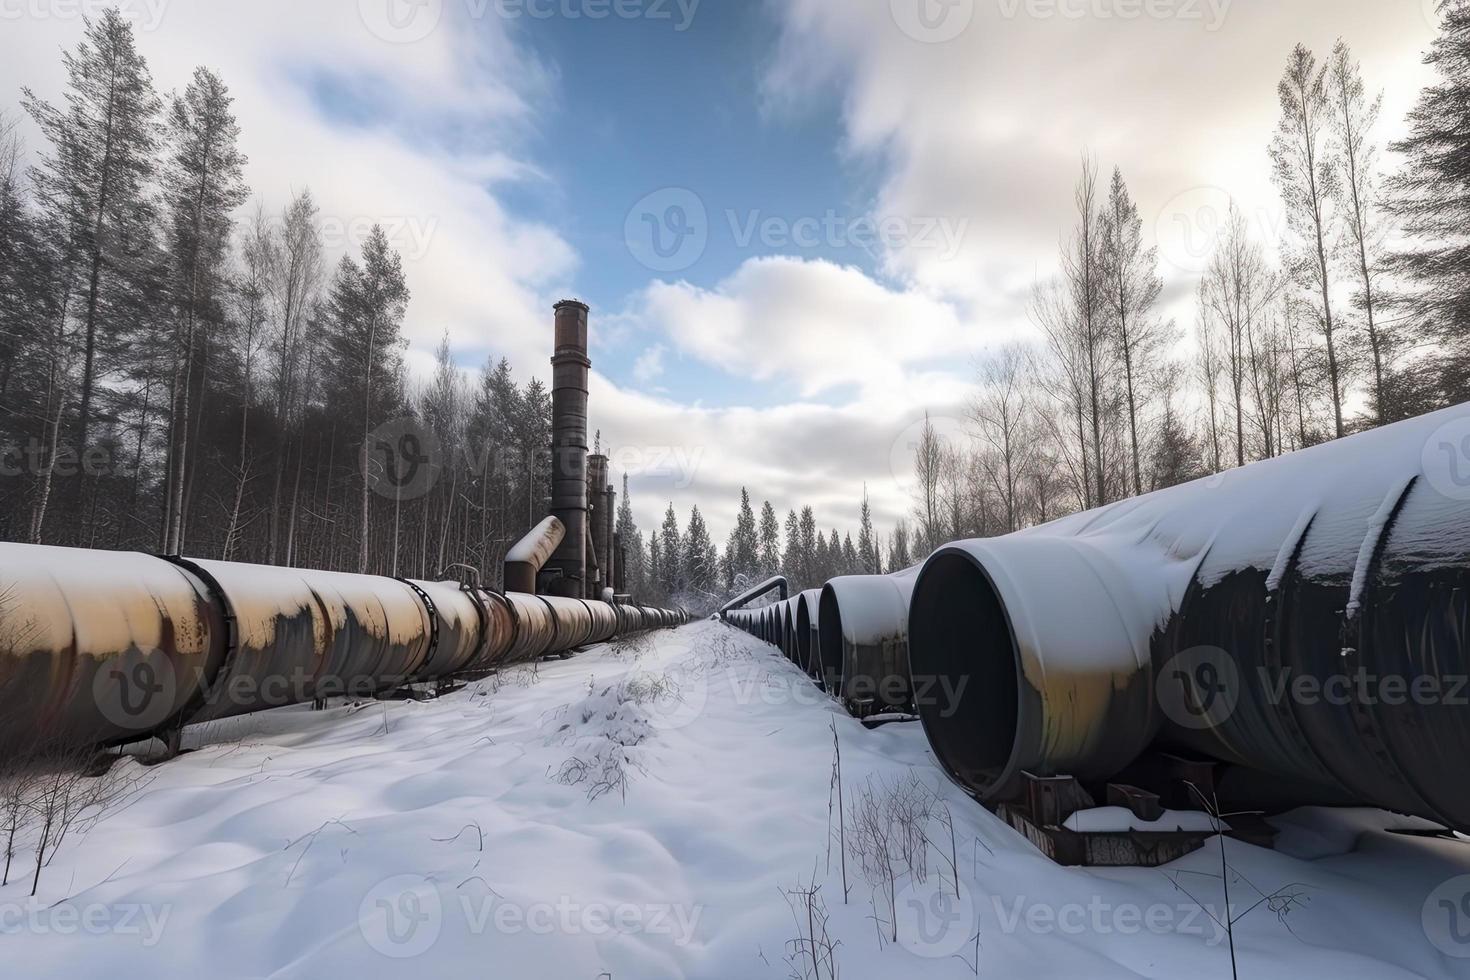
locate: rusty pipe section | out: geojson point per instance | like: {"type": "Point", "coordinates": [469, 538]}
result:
{"type": "Point", "coordinates": [526, 558]}
{"type": "Point", "coordinates": [1302, 618]}
{"type": "Point", "coordinates": [101, 648]}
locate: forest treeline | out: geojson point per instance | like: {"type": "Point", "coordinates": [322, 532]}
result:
{"type": "Point", "coordinates": [1356, 316]}
{"type": "Point", "coordinates": [180, 371]}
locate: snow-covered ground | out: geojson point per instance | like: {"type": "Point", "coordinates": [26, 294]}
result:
{"type": "Point", "coordinates": [650, 812]}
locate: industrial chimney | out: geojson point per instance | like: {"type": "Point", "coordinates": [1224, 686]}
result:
{"type": "Point", "coordinates": [570, 367]}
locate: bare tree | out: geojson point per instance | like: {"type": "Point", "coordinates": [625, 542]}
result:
{"type": "Point", "coordinates": [1354, 116]}
{"type": "Point", "coordinates": [1307, 181]}
{"type": "Point", "coordinates": [1133, 288]}
{"type": "Point", "coordinates": [1002, 413]}
{"type": "Point", "coordinates": [1083, 267]}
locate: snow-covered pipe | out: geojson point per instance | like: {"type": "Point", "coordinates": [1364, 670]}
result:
{"type": "Point", "coordinates": [773, 584]}
{"type": "Point", "coordinates": [863, 628]}
{"type": "Point", "coordinates": [1303, 617]}
{"type": "Point", "coordinates": [526, 558]}
{"type": "Point", "coordinates": [808, 644]}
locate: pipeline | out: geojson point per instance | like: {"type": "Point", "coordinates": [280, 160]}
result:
{"type": "Point", "coordinates": [772, 584]}
{"type": "Point", "coordinates": [1301, 620]}
{"type": "Point", "coordinates": [526, 558]}
{"type": "Point", "coordinates": [106, 648]}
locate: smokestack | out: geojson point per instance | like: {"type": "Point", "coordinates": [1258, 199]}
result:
{"type": "Point", "coordinates": [620, 571]}
{"type": "Point", "coordinates": [609, 539]}
{"type": "Point", "coordinates": [599, 566]}
{"type": "Point", "coordinates": [570, 367]}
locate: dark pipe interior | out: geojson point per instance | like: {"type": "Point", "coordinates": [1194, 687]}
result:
{"type": "Point", "coordinates": [804, 637]}
{"type": "Point", "coordinates": [829, 638]}
{"type": "Point", "coordinates": [960, 640]}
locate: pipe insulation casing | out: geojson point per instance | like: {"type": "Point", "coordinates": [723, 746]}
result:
{"type": "Point", "coordinates": [1302, 617]}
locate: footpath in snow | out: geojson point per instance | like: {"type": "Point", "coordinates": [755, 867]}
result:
{"type": "Point", "coordinates": [663, 808]}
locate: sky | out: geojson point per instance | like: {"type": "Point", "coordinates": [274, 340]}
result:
{"type": "Point", "coordinates": [800, 224]}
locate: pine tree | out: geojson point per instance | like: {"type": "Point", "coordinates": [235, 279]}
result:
{"type": "Point", "coordinates": [791, 559]}
{"type": "Point", "coordinates": [867, 551]}
{"type": "Point", "coordinates": [701, 561]}
{"type": "Point", "coordinates": [654, 581]}
{"type": "Point", "coordinates": [770, 542]}
{"type": "Point", "coordinates": [94, 184]}
{"type": "Point", "coordinates": [672, 574]}
{"type": "Point", "coordinates": [205, 185]}
{"type": "Point", "coordinates": [743, 554]}
{"type": "Point", "coordinates": [365, 314]}
{"type": "Point", "coordinates": [632, 539]}
{"type": "Point", "coordinates": [899, 557]}
{"type": "Point", "coordinates": [1432, 201]}
{"type": "Point", "coordinates": [807, 570]}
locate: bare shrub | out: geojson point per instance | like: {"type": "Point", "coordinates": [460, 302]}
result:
{"type": "Point", "coordinates": [812, 955]}
{"type": "Point", "coordinates": [888, 834]}
{"type": "Point", "coordinates": [67, 795]}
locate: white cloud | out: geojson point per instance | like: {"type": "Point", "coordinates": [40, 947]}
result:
{"type": "Point", "coordinates": [650, 365]}
{"type": "Point", "coordinates": [811, 325]}
{"type": "Point", "coordinates": [989, 127]}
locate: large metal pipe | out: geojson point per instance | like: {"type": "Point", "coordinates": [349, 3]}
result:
{"type": "Point", "coordinates": [808, 644]}
{"type": "Point", "coordinates": [570, 369]}
{"type": "Point", "coordinates": [301, 635]}
{"type": "Point", "coordinates": [1303, 617]}
{"type": "Point", "coordinates": [98, 647]}
{"type": "Point", "coordinates": [863, 636]}
{"type": "Point", "coordinates": [772, 584]}
{"type": "Point", "coordinates": [535, 628]}
{"type": "Point", "coordinates": [463, 626]}
{"type": "Point", "coordinates": [526, 558]}
{"type": "Point", "coordinates": [500, 620]}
